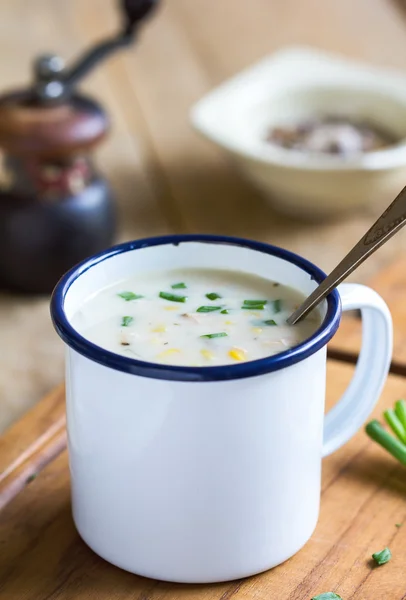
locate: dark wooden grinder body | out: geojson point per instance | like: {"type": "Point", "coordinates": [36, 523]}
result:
{"type": "Point", "coordinates": [55, 208]}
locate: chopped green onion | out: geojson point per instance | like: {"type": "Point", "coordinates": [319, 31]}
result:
{"type": "Point", "coordinates": [276, 306]}
{"type": "Point", "coordinates": [172, 297]}
{"type": "Point", "coordinates": [382, 557]}
{"type": "Point", "coordinates": [214, 335]}
{"type": "Point", "coordinates": [204, 309]}
{"type": "Point", "coordinates": [253, 306]}
{"type": "Point", "coordinates": [327, 596]}
{"type": "Point", "coordinates": [179, 286]}
{"type": "Point", "coordinates": [254, 302]}
{"type": "Point", "coordinates": [376, 432]}
{"type": "Point", "coordinates": [400, 410]}
{"type": "Point", "coordinates": [126, 321]}
{"type": "Point", "coordinates": [257, 307]}
{"type": "Point", "coordinates": [398, 525]}
{"type": "Point", "coordinates": [224, 312]}
{"type": "Point", "coordinates": [129, 296]}
{"type": "Point", "coordinates": [212, 296]}
{"type": "Point", "coordinates": [270, 322]}
{"type": "Point", "coordinates": [395, 424]}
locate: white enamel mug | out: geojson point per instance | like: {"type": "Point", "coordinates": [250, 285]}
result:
{"type": "Point", "coordinates": [204, 474]}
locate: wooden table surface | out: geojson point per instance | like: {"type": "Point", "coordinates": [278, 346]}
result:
{"type": "Point", "coordinates": [166, 178]}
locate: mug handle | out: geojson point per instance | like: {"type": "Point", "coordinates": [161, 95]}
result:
{"type": "Point", "coordinates": [363, 392]}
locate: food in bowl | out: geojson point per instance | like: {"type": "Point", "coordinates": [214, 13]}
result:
{"type": "Point", "coordinates": [289, 87]}
{"type": "Point", "coordinates": [196, 317]}
{"type": "Point", "coordinates": [332, 134]}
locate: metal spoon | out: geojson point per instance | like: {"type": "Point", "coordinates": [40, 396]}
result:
{"type": "Point", "coordinates": [389, 223]}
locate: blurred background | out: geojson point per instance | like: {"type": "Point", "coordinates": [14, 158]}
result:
{"type": "Point", "coordinates": [164, 176]}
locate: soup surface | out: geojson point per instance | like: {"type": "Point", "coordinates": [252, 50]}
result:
{"type": "Point", "coordinates": [197, 317]}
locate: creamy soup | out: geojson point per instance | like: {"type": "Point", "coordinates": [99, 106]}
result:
{"type": "Point", "coordinates": [197, 317]}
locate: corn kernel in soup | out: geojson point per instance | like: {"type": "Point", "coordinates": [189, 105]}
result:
{"type": "Point", "coordinates": [199, 317]}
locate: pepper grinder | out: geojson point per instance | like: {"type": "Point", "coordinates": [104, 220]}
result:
{"type": "Point", "coordinates": [55, 208]}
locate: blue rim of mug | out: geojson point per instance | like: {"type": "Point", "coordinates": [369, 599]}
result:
{"type": "Point", "coordinates": [179, 373]}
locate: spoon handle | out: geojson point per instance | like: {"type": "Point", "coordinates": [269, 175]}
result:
{"type": "Point", "coordinates": [384, 228]}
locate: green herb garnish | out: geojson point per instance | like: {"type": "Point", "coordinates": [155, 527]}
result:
{"type": "Point", "coordinates": [382, 557]}
{"type": "Point", "coordinates": [276, 306]}
{"type": "Point", "coordinates": [172, 297]}
{"type": "Point", "coordinates": [400, 410]}
{"type": "Point", "coordinates": [254, 302]}
{"type": "Point", "coordinates": [179, 286]}
{"type": "Point", "coordinates": [224, 312]}
{"type": "Point", "coordinates": [270, 322]}
{"type": "Point", "coordinates": [327, 596]}
{"type": "Point", "coordinates": [129, 296]}
{"type": "Point", "coordinates": [253, 307]}
{"type": "Point", "coordinates": [396, 420]}
{"type": "Point", "coordinates": [204, 309]}
{"type": "Point", "coordinates": [31, 477]}
{"type": "Point", "coordinates": [398, 525]}
{"type": "Point", "coordinates": [395, 424]}
{"type": "Point", "coordinates": [213, 296]}
{"type": "Point", "coordinates": [377, 433]}
{"type": "Point", "coordinates": [125, 321]}
{"type": "Point", "coordinates": [215, 335]}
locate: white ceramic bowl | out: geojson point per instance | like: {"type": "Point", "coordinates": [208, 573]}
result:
{"type": "Point", "coordinates": [294, 84]}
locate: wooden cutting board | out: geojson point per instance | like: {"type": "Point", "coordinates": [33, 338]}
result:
{"type": "Point", "coordinates": [363, 499]}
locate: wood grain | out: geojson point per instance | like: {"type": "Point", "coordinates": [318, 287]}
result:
{"type": "Point", "coordinates": [362, 500]}
{"type": "Point", "coordinates": [30, 444]}
{"type": "Point", "coordinates": [167, 179]}
{"type": "Point", "coordinates": [391, 284]}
